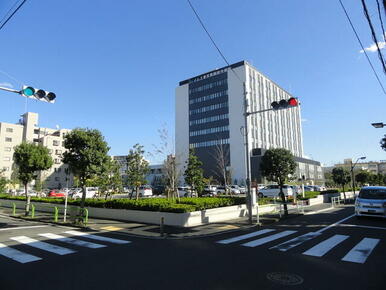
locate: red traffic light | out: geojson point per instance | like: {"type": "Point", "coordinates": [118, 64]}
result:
{"type": "Point", "coordinates": [293, 102]}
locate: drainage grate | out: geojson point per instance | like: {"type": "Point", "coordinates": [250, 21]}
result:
{"type": "Point", "coordinates": [285, 278]}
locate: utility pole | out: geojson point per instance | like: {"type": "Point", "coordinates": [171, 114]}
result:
{"type": "Point", "coordinates": [247, 157]}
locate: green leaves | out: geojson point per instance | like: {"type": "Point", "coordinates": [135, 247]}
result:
{"type": "Point", "coordinates": [194, 173]}
{"type": "Point", "coordinates": [29, 159]}
{"type": "Point", "coordinates": [137, 167]}
{"type": "Point", "coordinates": [341, 176]}
{"type": "Point", "coordinates": [277, 164]}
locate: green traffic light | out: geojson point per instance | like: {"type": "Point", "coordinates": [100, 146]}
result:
{"type": "Point", "coordinates": [28, 91]}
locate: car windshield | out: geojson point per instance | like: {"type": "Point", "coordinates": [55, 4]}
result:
{"type": "Point", "coordinates": [372, 193]}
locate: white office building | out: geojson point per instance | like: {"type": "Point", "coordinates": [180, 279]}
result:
{"type": "Point", "coordinates": [210, 114]}
{"type": "Point", "coordinates": [27, 129]}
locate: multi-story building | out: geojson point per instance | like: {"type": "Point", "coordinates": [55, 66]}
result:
{"type": "Point", "coordinates": [370, 166]}
{"type": "Point", "coordinates": [27, 129]}
{"type": "Point", "coordinates": [210, 118]}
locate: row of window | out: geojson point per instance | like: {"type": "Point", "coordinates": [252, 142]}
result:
{"type": "Point", "coordinates": [208, 86]}
{"type": "Point", "coordinates": [209, 131]}
{"type": "Point", "coordinates": [7, 149]}
{"type": "Point", "coordinates": [209, 97]}
{"type": "Point", "coordinates": [208, 108]}
{"type": "Point", "coordinates": [209, 119]}
{"type": "Point", "coordinates": [9, 130]}
{"type": "Point", "coordinates": [209, 143]}
{"type": "Point", "coordinates": [54, 142]}
{"type": "Point", "coordinates": [5, 168]}
{"type": "Point", "coordinates": [7, 158]}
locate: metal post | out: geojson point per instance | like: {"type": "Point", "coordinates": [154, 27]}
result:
{"type": "Point", "coordinates": [13, 208]}
{"type": "Point", "coordinates": [56, 214]}
{"type": "Point", "coordinates": [161, 226]}
{"type": "Point", "coordinates": [85, 221]}
{"type": "Point", "coordinates": [32, 211]}
{"type": "Point", "coordinates": [247, 158]}
{"type": "Point", "coordinates": [65, 208]}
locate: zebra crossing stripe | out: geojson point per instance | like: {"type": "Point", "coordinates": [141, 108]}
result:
{"type": "Point", "coordinates": [243, 237]}
{"type": "Point", "coordinates": [42, 245]}
{"type": "Point", "coordinates": [98, 238]}
{"type": "Point", "coordinates": [325, 246]}
{"type": "Point", "coordinates": [265, 240]}
{"type": "Point", "coordinates": [295, 242]}
{"type": "Point", "coordinates": [17, 255]}
{"type": "Point", "coordinates": [72, 241]}
{"type": "Point", "coordinates": [361, 251]}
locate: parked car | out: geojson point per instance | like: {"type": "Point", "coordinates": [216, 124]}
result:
{"type": "Point", "coordinates": [185, 191]}
{"type": "Point", "coordinates": [159, 189]}
{"type": "Point", "coordinates": [309, 188]}
{"type": "Point", "coordinates": [235, 189]}
{"type": "Point", "coordinates": [91, 192]}
{"type": "Point", "coordinates": [143, 190]}
{"type": "Point", "coordinates": [56, 193]}
{"type": "Point", "coordinates": [371, 201]}
{"type": "Point", "coordinates": [274, 190]}
{"type": "Point", "coordinates": [210, 190]}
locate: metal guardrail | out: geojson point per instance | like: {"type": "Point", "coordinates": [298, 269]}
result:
{"type": "Point", "coordinates": [335, 200]}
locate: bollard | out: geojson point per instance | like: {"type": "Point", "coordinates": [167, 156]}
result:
{"type": "Point", "coordinates": [56, 214]}
{"type": "Point", "coordinates": [161, 226]}
{"type": "Point", "coordinates": [85, 220]}
{"type": "Point", "coordinates": [13, 208]}
{"type": "Point", "coordinates": [32, 211]}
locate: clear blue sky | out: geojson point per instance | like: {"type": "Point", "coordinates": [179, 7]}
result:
{"type": "Point", "coordinates": [114, 65]}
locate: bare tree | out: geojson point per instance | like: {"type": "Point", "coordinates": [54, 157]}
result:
{"type": "Point", "coordinates": [221, 155]}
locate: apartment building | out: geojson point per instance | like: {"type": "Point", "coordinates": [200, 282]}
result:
{"type": "Point", "coordinates": [374, 167]}
{"type": "Point", "coordinates": [209, 112]}
{"type": "Point", "coordinates": [27, 129]}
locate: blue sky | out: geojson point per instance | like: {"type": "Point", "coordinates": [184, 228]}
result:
{"type": "Point", "coordinates": [114, 65]}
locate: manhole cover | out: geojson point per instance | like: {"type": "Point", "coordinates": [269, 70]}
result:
{"type": "Point", "coordinates": [285, 278]}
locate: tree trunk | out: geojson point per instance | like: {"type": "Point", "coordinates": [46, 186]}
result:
{"type": "Point", "coordinates": [137, 192]}
{"type": "Point", "coordinates": [28, 199]}
{"type": "Point", "coordinates": [283, 200]}
{"type": "Point", "coordinates": [344, 194]}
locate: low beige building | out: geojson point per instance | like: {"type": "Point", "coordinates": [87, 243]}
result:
{"type": "Point", "coordinates": [27, 129]}
{"type": "Point", "coordinates": [370, 166]}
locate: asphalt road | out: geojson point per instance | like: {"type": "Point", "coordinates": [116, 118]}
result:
{"type": "Point", "coordinates": [349, 255]}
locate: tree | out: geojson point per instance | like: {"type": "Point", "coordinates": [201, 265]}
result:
{"type": "Point", "coordinates": [194, 174]}
{"type": "Point", "coordinates": [38, 185]}
{"type": "Point", "coordinates": [383, 143]}
{"type": "Point", "coordinates": [362, 177]}
{"type": "Point", "coordinates": [276, 165]}
{"type": "Point", "coordinates": [221, 157]}
{"type": "Point", "coordinates": [3, 182]}
{"type": "Point", "coordinates": [137, 168]}
{"type": "Point", "coordinates": [31, 158]}
{"type": "Point", "coordinates": [110, 179]}
{"type": "Point", "coordinates": [341, 176]}
{"type": "Point", "coordinates": [86, 155]}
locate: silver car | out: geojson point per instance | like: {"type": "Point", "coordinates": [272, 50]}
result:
{"type": "Point", "coordinates": [371, 201]}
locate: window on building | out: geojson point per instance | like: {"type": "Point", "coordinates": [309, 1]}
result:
{"type": "Point", "coordinates": [7, 149]}
{"type": "Point", "coordinates": [58, 152]}
{"type": "Point", "coordinates": [36, 131]}
{"type": "Point", "coordinates": [36, 140]}
{"type": "Point", "coordinates": [9, 130]}
{"type": "Point", "coordinates": [6, 158]}
{"type": "Point", "coordinates": [55, 143]}
{"type": "Point", "coordinates": [57, 161]}
{"type": "Point", "coordinates": [50, 151]}
{"type": "Point", "coordinates": [8, 139]}
{"type": "Point", "coordinates": [6, 168]}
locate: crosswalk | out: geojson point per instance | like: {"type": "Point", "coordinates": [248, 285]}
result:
{"type": "Point", "coordinates": [358, 253]}
{"type": "Point", "coordinates": [14, 254]}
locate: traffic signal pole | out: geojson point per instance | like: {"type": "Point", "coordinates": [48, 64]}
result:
{"type": "Point", "coordinates": [10, 90]}
{"type": "Point", "coordinates": [30, 92]}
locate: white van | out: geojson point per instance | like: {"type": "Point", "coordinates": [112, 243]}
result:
{"type": "Point", "coordinates": [91, 192]}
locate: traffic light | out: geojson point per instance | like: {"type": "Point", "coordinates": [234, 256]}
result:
{"type": "Point", "coordinates": [38, 94]}
{"type": "Point", "coordinates": [284, 104]}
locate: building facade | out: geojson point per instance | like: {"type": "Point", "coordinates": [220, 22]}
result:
{"type": "Point", "coordinates": [374, 167]}
{"type": "Point", "coordinates": [27, 129]}
{"type": "Point", "coordinates": [210, 118]}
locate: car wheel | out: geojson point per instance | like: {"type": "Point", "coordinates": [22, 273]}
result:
{"type": "Point", "coordinates": [260, 195]}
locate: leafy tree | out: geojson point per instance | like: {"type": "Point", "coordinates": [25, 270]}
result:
{"type": "Point", "coordinates": [362, 177]}
{"type": "Point", "coordinates": [194, 174]}
{"type": "Point", "coordinates": [137, 168]}
{"type": "Point", "coordinates": [383, 143]}
{"type": "Point", "coordinates": [31, 158]}
{"type": "Point", "coordinates": [38, 185]}
{"type": "Point", "coordinates": [86, 155]}
{"type": "Point", "coordinates": [110, 179]}
{"type": "Point", "coordinates": [341, 176]}
{"type": "Point", "coordinates": [276, 165]}
{"type": "Point", "coordinates": [3, 182]}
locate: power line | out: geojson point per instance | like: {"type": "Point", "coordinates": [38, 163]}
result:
{"type": "Point", "coordinates": [21, 4]}
{"type": "Point", "coordinates": [212, 40]}
{"type": "Point", "coordinates": [361, 44]}
{"type": "Point", "coordinates": [9, 11]}
{"type": "Point", "coordinates": [380, 19]}
{"type": "Point", "coordinates": [366, 12]}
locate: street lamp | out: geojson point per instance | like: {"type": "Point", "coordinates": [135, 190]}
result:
{"type": "Point", "coordinates": [352, 172]}
{"type": "Point", "coordinates": [378, 125]}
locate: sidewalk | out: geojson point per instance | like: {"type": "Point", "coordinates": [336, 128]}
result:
{"type": "Point", "coordinates": [154, 231]}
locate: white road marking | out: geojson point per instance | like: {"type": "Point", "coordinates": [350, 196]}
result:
{"type": "Point", "coordinates": [360, 226]}
{"type": "Point", "coordinates": [243, 237]}
{"type": "Point", "coordinates": [334, 224]}
{"type": "Point", "coordinates": [42, 245]}
{"type": "Point", "coordinates": [22, 228]}
{"type": "Point", "coordinates": [17, 255]}
{"type": "Point", "coordinates": [318, 211]}
{"type": "Point", "coordinates": [325, 246]}
{"type": "Point", "coordinates": [261, 241]}
{"type": "Point", "coordinates": [72, 241]}
{"type": "Point", "coordinates": [95, 237]}
{"type": "Point", "coordinates": [361, 251]}
{"type": "Point", "coordinates": [295, 242]}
